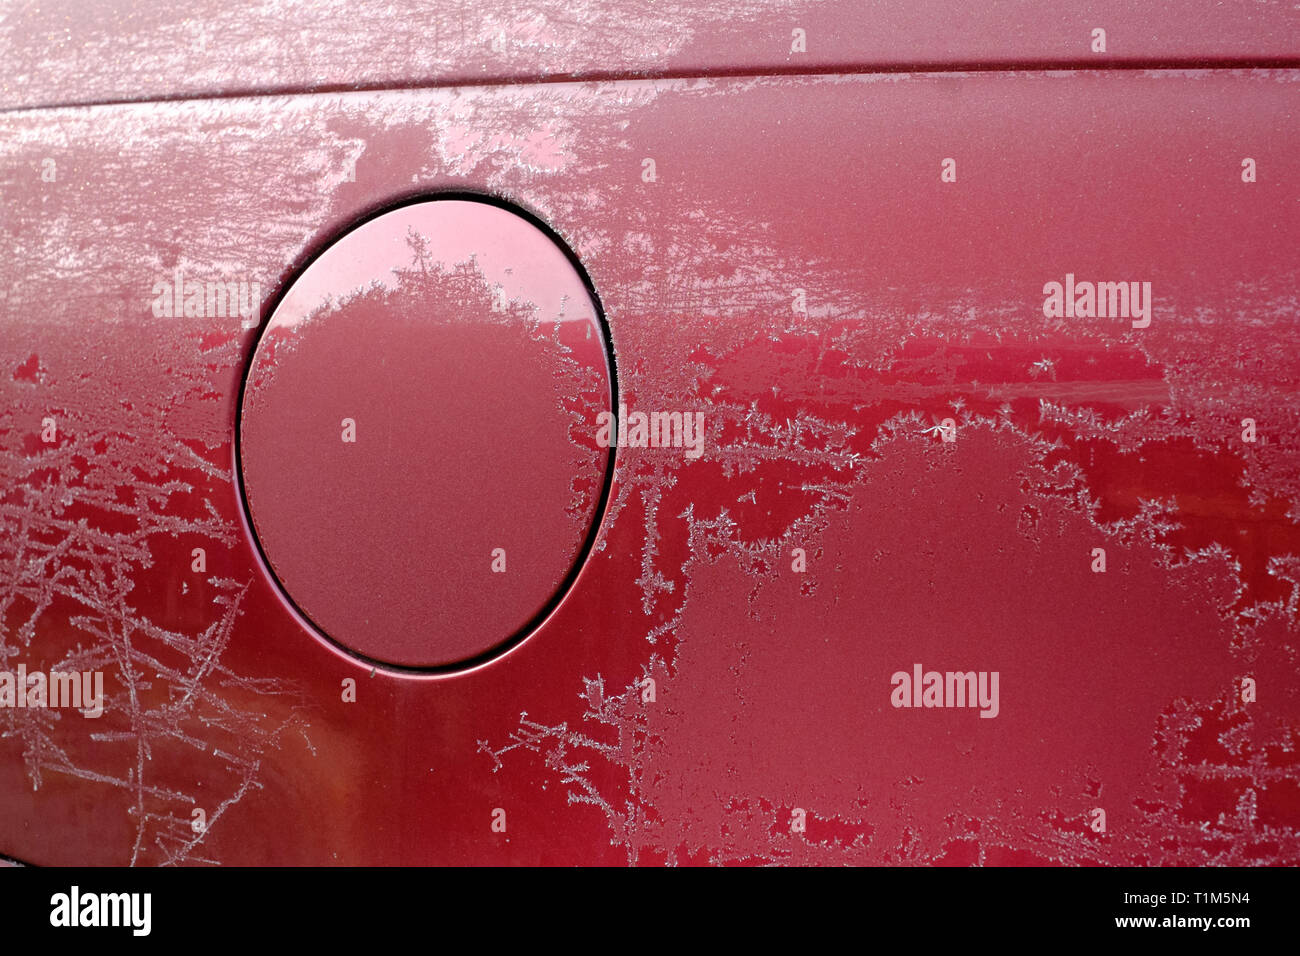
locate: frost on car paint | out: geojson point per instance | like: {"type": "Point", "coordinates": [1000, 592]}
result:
{"type": "Point", "coordinates": [1121, 691]}
{"type": "Point", "coordinates": [62, 52]}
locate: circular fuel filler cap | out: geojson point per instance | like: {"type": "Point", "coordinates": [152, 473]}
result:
{"type": "Point", "coordinates": [417, 437]}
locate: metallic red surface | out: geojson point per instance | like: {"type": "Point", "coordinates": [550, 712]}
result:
{"type": "Point", "coordinates": [801, 266]}
{"type": "Point", "coordinates": [408, 444]}
{"type": "Point", "coordinates": [62, 51]}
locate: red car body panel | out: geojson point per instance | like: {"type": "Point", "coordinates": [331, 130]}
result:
{"type": "Point", "coordinates": [841, 270]}
{"type": "Point", "coordinates": [61, 52]}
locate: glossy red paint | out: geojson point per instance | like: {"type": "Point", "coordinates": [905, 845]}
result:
{"type": "Point", "coordinates": [417, 427]}
{"type": "Point", "coordinates": [798, 271]}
